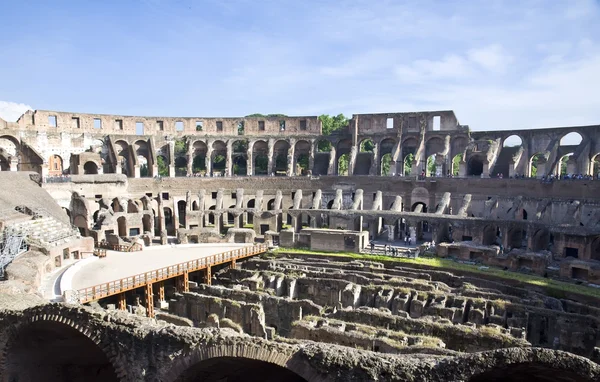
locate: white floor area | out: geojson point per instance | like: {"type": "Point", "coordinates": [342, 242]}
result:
{"type": "Point", "coordinates": [118, 265]}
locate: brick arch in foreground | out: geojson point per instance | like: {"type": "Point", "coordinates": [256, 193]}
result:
{"type": "Point", "coordinates": [10, 333]}
{"type": "Point", "coordinates": [264, 352]}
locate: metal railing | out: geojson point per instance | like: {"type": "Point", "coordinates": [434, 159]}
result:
{"type": "Point", "coordinates": [111, 288]}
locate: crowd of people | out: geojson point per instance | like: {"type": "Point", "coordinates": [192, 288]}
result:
{"type": "Point", "coordinates": [57, 178]}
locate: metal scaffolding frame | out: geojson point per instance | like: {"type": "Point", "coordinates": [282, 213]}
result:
{"type": "Point", "coordinates": [12, 245]}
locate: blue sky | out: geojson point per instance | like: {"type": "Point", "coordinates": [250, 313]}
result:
{"type": "Point", "coordinates": [497, 64]}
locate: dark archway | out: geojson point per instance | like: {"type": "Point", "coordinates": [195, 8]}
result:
{"type": "Point", "coordinates": [236, 369]}
{"type": "Point", "coordinates": [90, 168]}
{"type": "Point", "coordinates": [52, 351]}
{"type": "Point", "coordinates": [475, 167]}
{"type": "Point", "coordinates": [181, 210]}
{"type": "Point", "coordinates": [122, 223]}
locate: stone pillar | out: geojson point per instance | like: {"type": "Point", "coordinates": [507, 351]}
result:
{"type": "Point", "coordinates": [331, 170]}
{"type": "Point", "coordinates": [171, 159]}
{"type": "Point", "coordinates": [486, 169]}
{"type": "Point", "coordinates": [136, 171]}
{"type": "Point", "coordinates": [391, 232]}
{"type": "Point", "coordinates": [250, 160]}
{"type": "Point", "coordinates": [412, 233]}
{"type": "Point", "coordinates": [270, 156]}
{"type": "Point", "coordinates": [462, 169]}
{"type": "Point", "coordinates": [291, 168]}
{"type": "Point", "coordinates": [44, 170]}
{"type": "Point", "coordinates": [229, 159]}
{"type": "Point", "coordinates": [571, 165]}
{"type": "Point", "coordinates": [190, 159]}
{"type": "Point", "coordinates": [311, 157]}
{"type": "Point", "coordinates": [352, 159]}
{"type": "Point", "coordinates": [208, 160]}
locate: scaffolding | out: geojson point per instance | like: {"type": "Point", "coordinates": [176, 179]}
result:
{"type": "Point", "coordinates": [12, 245]}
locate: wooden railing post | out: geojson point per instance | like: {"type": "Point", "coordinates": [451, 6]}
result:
{"type": "Point", "coordinates": [161, 291]}
{"type": "Point", "coordinates": [122, 301]}
{"type": "Point", "coordinates": [208, 277]}
{"type": "Point", "coordinates": [149, 301]}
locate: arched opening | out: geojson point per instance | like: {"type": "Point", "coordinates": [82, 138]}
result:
{"type": "Point", "coordinates": [475, 166]}
{"type": "Point", "coordinates": [322, 156]}
{"type": "Point", "coordinates": [260, 151]}
{"type": "Point", "coordinates": [250, 216]}
{"type": "Point", "coordinates": [271, 205]}
{"type": "Point", "coordinates": [301, 157]}
{"type": "Point", "coordinates": [195, 206]}
{"type": "Point", "coordinates": [595, 166]}
{"type": "Point", "coordinates": [90, 168]}
{"type": "Point", "coordinates": [540, 240]}
{"type": "Point", "coordinates": [55, 165]}
{"type": "Point", "coordinates": [181, 209]}
{"type": "Point", "coordinates": [169, 226]}
{"type": "Point", "coordinates": [219, 156]}
{"type": "Point", "coordinates": [181, 166]}
{"type": "Point", "coordinates": [211, 216]}
{"type": "Point", "coordinates": [342, 164]}
{"type": "Point", "coordinates": [343, 156]}
{"type": "Point", "coordinates": [52, 351]}
{"type": "Point", "coordinates": [163, 165]}
{"type": "Point", "coordinates": [517, 238]}
{"type": "Point", "coordinates": [571, 139]}
{"type": "Point", "coordinates": [147, 223]}
{"type": "Point", "coordinates": [116, 206]}
{"type": "Point", "coordinates": [431, 168]}
{"type": "Point", "coordinates": [530, 372]}
{"type": "Point", "coordinates": [489, 235]}
{"type": "Point", "coordinates": [237, 369]}
{"type": "Point", "coordinates": [280, 153]}
{"type": "Point", "coordinates": [534, 161]}
{"type": "Point", "coordinates": [408, 161]}
{"type": "Point", "coordinates": [143, 158]}
{"type": "Point", "coordinates": [122, 225]}
{"type": "Point", "coordinates": [386, 164]}
{"type": "Point", "coordinates": [456, 164]}
{"type": "Point", "coordinates": [364, 159]}
{"type": "Point", "coordinates": [239, 157]}
{"type": "Point", "coordinates": [512, 141]}
{"type": "Point", "coordinates": [199, 162]}
{"type": "Point", "coordinates": [122, 149]}
{"type": "Point", "coordinates": [564, 168]}
{"type": "Point", "coordinates": [132, 208]}
{"type": "Point", "coordinates": [4, 162]}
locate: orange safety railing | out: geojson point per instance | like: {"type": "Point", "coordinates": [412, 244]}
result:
{"type": "Point", "coordinates": [111, 288]}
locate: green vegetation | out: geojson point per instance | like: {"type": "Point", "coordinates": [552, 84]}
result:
{"type": "Point", "coordinates": [163, 168]}
{"type": "Point", "coordinates": [180, 147]}
{"type": "Point", "coordinates": [456, 164]}
{"type": "Point", "coordinates": [143, 170]}
{"type": "Point", "coordinates": [343, 164]}
{"type": "Point", "coordinates": [552, 287]}
{"type": "Point", "coordinates": [386, 161]}
{"type": "Point", "coordinates": [330, 125]}
{"type": "Point", "coordinates": [367, 146]}
{"type": "Point", "coordinates": [408, 162]}
{"type": "Point", "coordinates": [431, 167]}
{"type": "Point", "coordinates": [258, 115]}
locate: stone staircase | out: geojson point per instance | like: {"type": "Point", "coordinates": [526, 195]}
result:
{"type": "Point", "coordinates": [46, 231]}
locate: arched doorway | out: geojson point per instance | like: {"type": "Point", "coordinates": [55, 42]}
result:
{"type": "Point", "coordinates": [475, 166]}
{"type": "Point", "coordinates": [237, 369]}
{"type": "Point", "coordinates": [52, 351]}
{"type": "Point", "coordinates": [55, 165]}
{"type": "Point", "coordinates": [90, 168]}
{"type": "Point", "coordinates": [122, 225]}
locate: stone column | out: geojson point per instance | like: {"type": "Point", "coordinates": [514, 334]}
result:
{"type": "Point", "coordinates": [190, 159]}
{"type": "Point", "coordinates": [311, 157]}
{"type": "Point", "coordinates": [171, 159]}
{"type": "Point", "coordinates": [391, 232]}
{"type": "Point", "coordinates": [250, 160]}
{"type": "Point", "coordinates": [208, 160]}
{"type": "Point", "coordinates": [229, 159]}
{"type": "Point", "coordinates": [352, 159]}
{"type": "Point", "coordinates": [331, 170]}
{"type": "Point", "coordinates": [291, 170]}
{"type": "Point", "coordinates": [270, 156]}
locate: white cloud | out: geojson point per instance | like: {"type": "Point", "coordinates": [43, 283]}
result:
{"type": "Point", "coordinates": [492, 58]}
{"type": "Point", "coordinates": [11, 111]}
{"type": "Point", "coordinates": [449, 67]}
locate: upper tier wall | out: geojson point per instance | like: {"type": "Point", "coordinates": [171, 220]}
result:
{"type": "Point", "coordinates": [44, 120]}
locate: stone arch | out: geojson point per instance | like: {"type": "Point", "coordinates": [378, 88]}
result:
{"type": "Point", "coordinates": [90, 168]}
{"type": "Point", "coordinates": [532, 165]}
{"type": "Point", "coordinates": [4, 161]}
{"type": "Point", "coordinates": [513, 140]}
{"type": "Point", "coordinates": [199, 151]}
{"type": "Point", "coordinates": [540, 240]}
{"type": "Point", "coordinates": [595, 166]}
{"type": "Point", "coordinates": [278, 361]}
{"type": "Point", "coordinates": [239, 157]}
{"type": "Point", "coordinates": [516, 236]}
{"type": "Point", "coordinates": [10, 144]}
{"type": "Point", "coordinates": [132, 207]}
{"type": "Point", "coordinates": [434, 145]}
{"type": "Point", "coordinates": [562, 168]}
{"type": "Point", "coordinates": [181, 212]}
{"type": "Point", "coordinates": [122, 226]}
{"type": "Point", "coordinates": [122, 153]}
{"type": "Point", "coordinates": [475, 166]}
{"type": "Point", "coordinates": [143, 157]}
{"type": "Point", "coordinates": [260, 156]}
{"type": "Point", "coordinates": [419, 194]}
{"type": "Point", "coordinates": [55, 165]}
{"type": "Point", "coordinates": [572, 138]}
{"type": "Point", "coordinates": [219, 156]}
{"type": "Point", "coordinates": [280, 155]}
{"type": "Point", "coordinates": [364, 157]}
{"type": "Point", "coordinates": [322, 150]}
{"type": "Point", "coordinates": [595, 249]}
{"type": "Point", "coordinates": [147, 221]}
{"type": "Point", "coordinates": [489, 235]}
{"type": "Point", "coordinates": [301, 156]}
{"type": "Point", "coordinates": [43, 328]}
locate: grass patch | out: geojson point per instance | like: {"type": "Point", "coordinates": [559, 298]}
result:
{"type": "Point", "coordinates": [553, 288]}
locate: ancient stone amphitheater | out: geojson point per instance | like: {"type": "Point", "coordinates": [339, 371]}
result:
{"type": "Point", "coordinates": [401, 247]}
